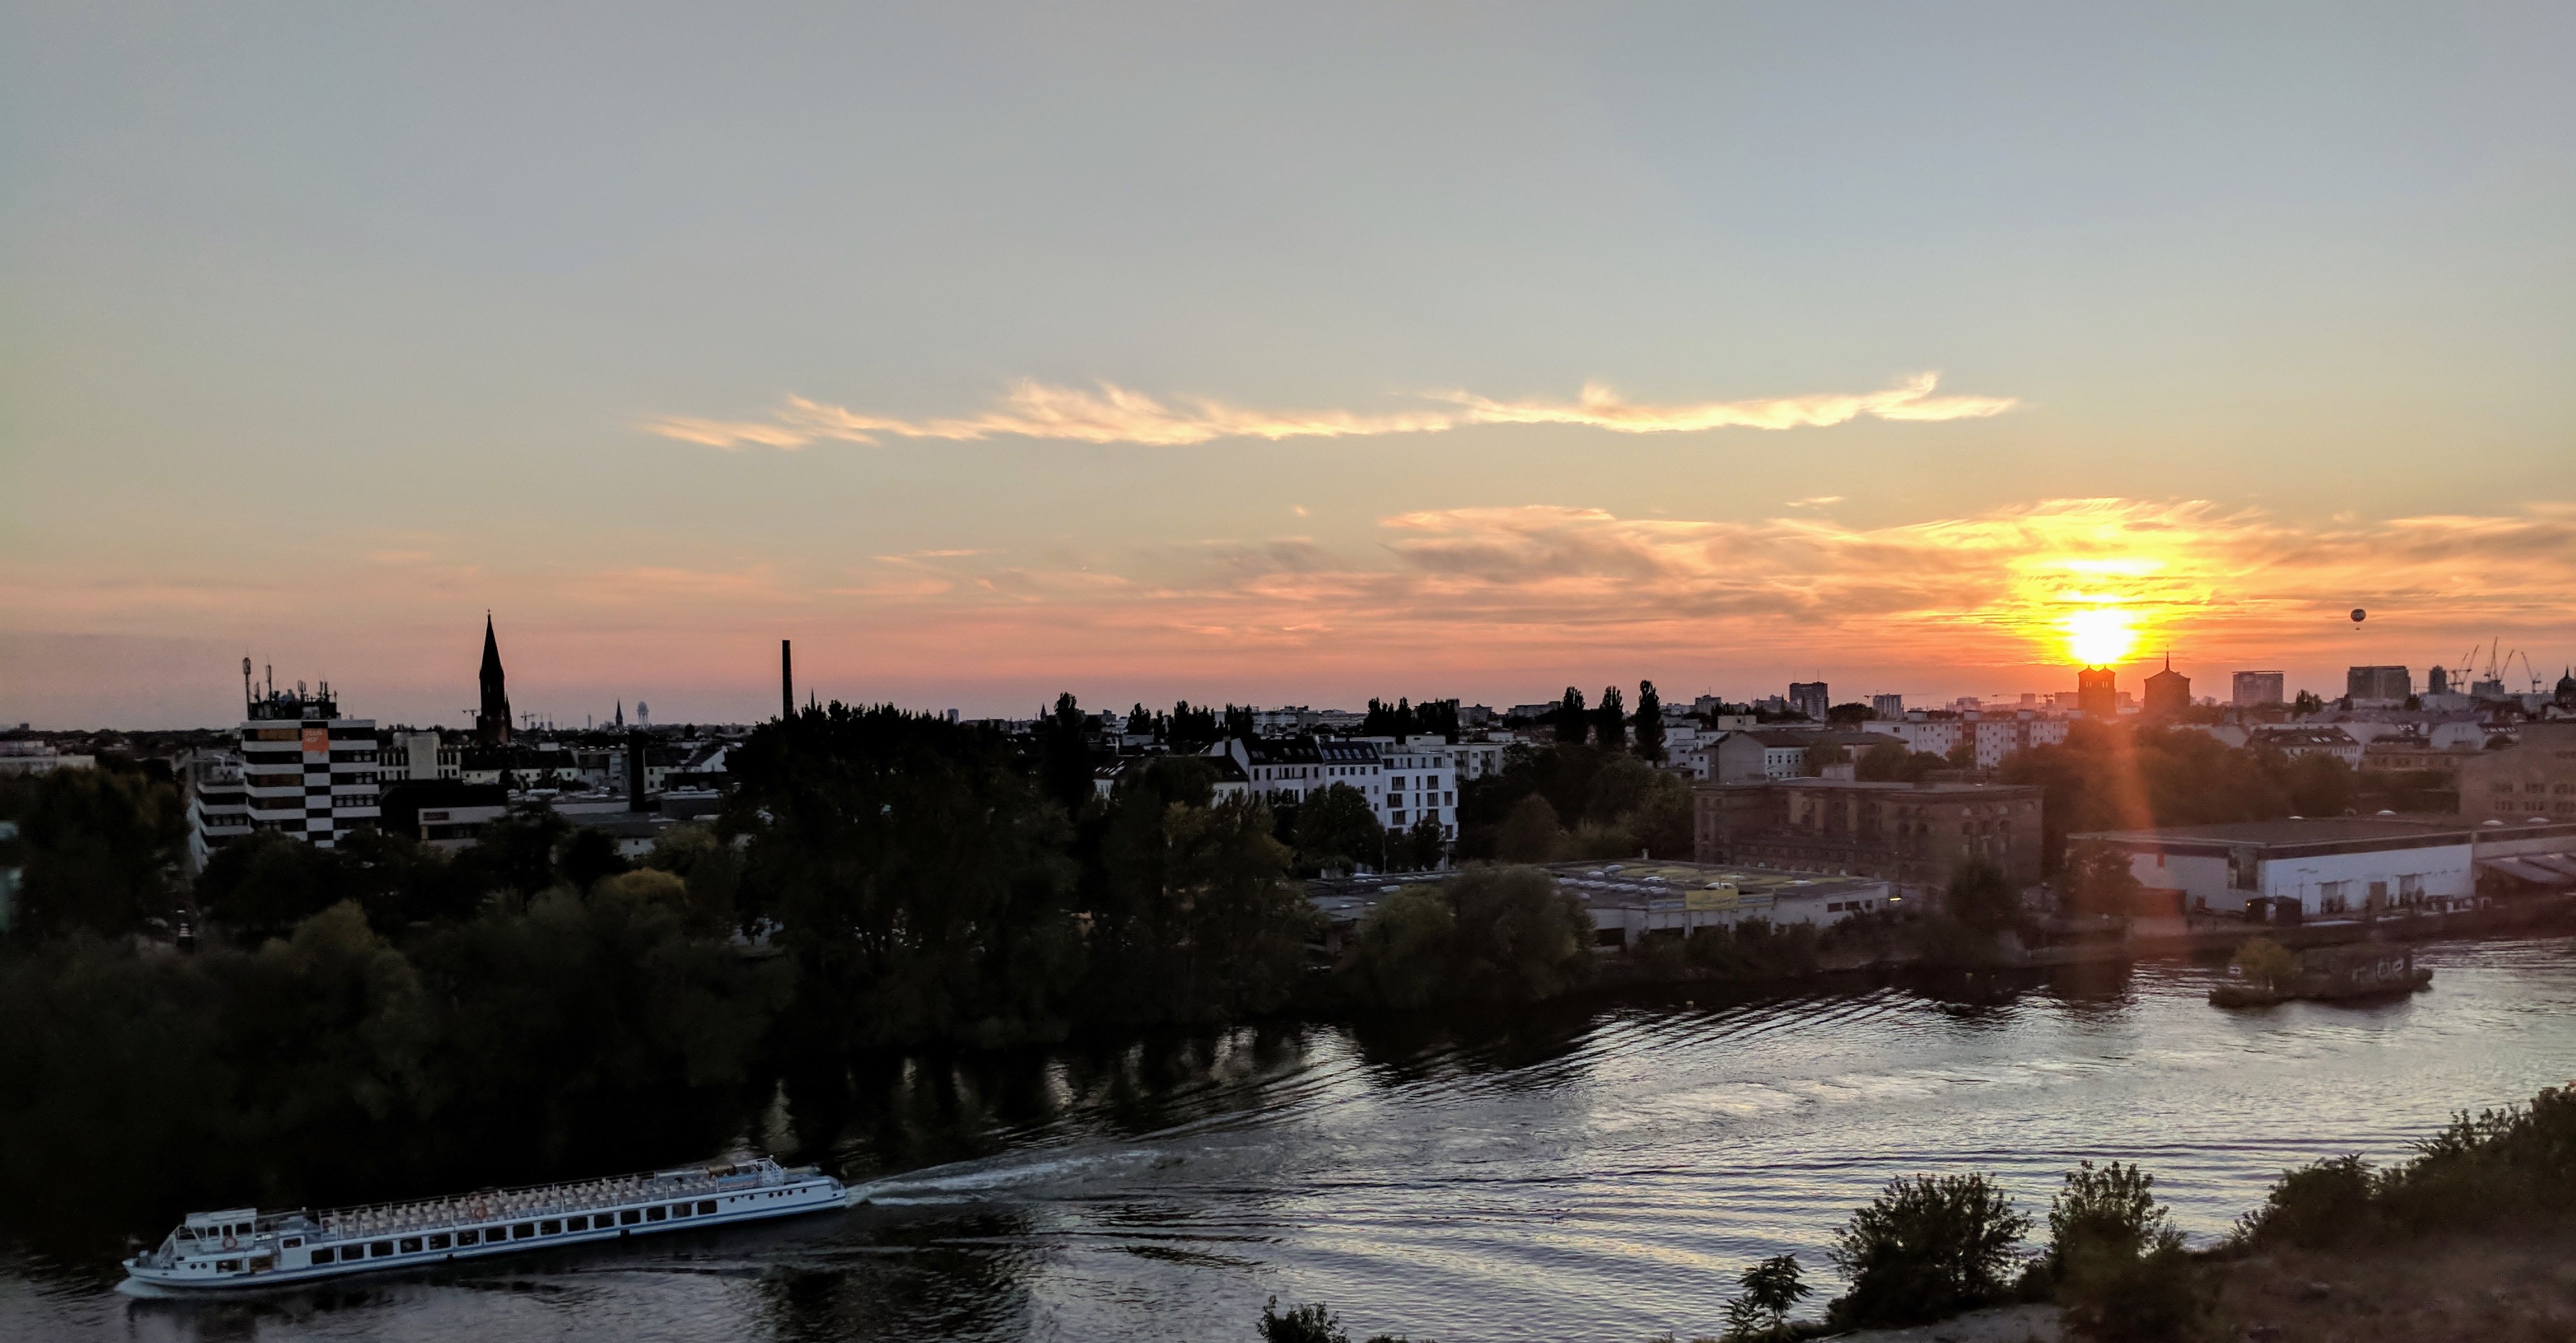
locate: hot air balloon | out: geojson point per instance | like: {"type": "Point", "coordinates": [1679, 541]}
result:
{"type": "Point", "coordinates": [2357, 614]}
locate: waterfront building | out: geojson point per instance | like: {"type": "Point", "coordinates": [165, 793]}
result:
{"type": "Point", "coordinates": [1421, 782]}
{"type": "Point", "coordinates": [2258, 689]}
{"type": "Point", "coordinates": [1913, 834]}
{"type": "Point", "coordinates": [2325, 867]}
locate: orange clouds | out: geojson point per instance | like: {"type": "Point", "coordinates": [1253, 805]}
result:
{"type": "Point", "coordinates": [1116, 414]}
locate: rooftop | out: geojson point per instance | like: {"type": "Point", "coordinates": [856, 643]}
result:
{"type": "Point", "coordinates": [2298, 831]}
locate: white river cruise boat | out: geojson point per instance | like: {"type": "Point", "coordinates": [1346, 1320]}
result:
{"type": "Point", "coordinates": [245, 1247]}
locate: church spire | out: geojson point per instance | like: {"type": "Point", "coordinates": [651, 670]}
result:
{"type": "Point", "coordinates": [492, 723]}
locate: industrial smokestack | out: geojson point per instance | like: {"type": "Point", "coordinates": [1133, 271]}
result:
{"type": "Point", "coordinates": [786, 681]}
{"type": "Point", "coordinates": [638, 754]}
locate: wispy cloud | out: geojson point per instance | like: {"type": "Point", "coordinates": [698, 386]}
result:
{"type": "Point", "coordinates": [1114, 414]}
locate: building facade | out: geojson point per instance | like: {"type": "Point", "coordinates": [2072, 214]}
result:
{"type": "Point", "coordinates": [1810, 698]}
{"type": "Point", "coordinates": [2257, 689]}
{"type": "Point", "coordinates": [2327, 867]}
{"type": "Point", "coordinates": [2532, 779]}
{"type": "Point", "coordinates": [2168, 694]}
{"type": "Point", "coordinates": [1913, 834]}
{"type": "Point", "coordinates": [2097, 692]}
{"type": "Point", "coordinates": [2379, 687]}
{"type": "Point", "coordinates": [305, 770]}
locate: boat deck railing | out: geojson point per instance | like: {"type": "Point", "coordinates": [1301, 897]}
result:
{"type": "Point", "coordinates": [544, 1200]}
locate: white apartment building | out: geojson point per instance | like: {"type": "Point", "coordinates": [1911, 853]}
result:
{"type": "Point", "coordinates": [419, 755]}
{"type": "Point", "coordinates": [1421, 782]}
{"type": "Point", "coordinates": [2328, 867]}
{"type": "Point", "coordinates": [218, 810]}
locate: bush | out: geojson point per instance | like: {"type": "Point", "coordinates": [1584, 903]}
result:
{"type": "Point", "coordinates": [1925, 1249]}
{"type": "Point", "coordinates": [1755, 949]}
{"type": "Point", "coordinates": [1309, 1323]}
{"type": "Point", "coordinates": [2314, 1206]}
{"type": "Point", "coordinates": [2115, 1260]}
{"type": "Point", "coordinates": [2266, 963]}
{"type": "Point", "coordinates": [1767, 1292]}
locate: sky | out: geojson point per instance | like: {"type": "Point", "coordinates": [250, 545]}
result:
{"type": "Point", "coordinates": [1281, 354]}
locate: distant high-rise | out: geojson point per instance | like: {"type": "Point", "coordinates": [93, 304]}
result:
{"type": "Point", "coordinates": [492, 721]}
{"type": "Point", "coordinates": [2168, 693]}
{"type": "Point", "coordinates": [2378, 685]}
{"type": "Point", "coordinates": [2096, 694]}
{"type": "Point", "coordinates": [2255, 689]}
{"type": "Point", "coordinates": [1810, 698]}
{"type": "Point", "coordinates": [2437, 682]}
{"type": "Point", "coordinates": [1889, 707]}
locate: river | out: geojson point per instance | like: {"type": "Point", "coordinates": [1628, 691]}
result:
{"type": "Point", "coordinates": [1594, 1173]}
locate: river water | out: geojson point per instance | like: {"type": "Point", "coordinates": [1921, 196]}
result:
{"type": "Point", "coordinates": [1595, 1173]}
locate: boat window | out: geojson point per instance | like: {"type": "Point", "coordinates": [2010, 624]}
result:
{"type": "Point", "coordinates": [578, 1224]}
{"type": "Point", "coordinates": [411, 1245]}
{"type": "Point", "coordinates": [322, 1255]}
{"type": "Point", "coordinates": [706, 1207]}
{"type": "Point", "coordinates": [629, 1217]}
{"type": "Point", "coordinates": [439, 1241]}
{"type": "Point", "coordinates": [228, 1266]}
{"type": "Point", "coordinates": [380, 1248]}
{"type": "Point", "coordinates": [468, 1237]}
{"type": "Point", "coordinates": [655, 1214]}
{"type": "Point", "coordinates": [522, 1231]}
{"type": "Point", "coordinates": [260, 1264]}
{"type": "Point", "coordinates": [680, 1210]}
{"type": "Point", "coordinates": [291, 1242]}
{"type": "Point", "coordinates": [549, 1228]}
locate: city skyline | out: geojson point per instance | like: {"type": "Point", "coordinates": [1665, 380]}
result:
{"type": "Point", "coordinates": [1291, 358]}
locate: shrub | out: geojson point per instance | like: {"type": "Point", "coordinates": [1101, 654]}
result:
{"type": "Point", "coordinates": [2314, 1206]}
{"type": "Point", "coordinates": [1309, 1323]}
{"type": "Point", "coordinates": [1768, 1291]}
{"type": "Point", "coordinates": [2266, 963]}
{"type": "Point", "coordinates": [1925, 1249]}
{"type": "Point", "coordinates": [1981, 896]}
{"type": "Point", "coordinates": [2116, 1261]}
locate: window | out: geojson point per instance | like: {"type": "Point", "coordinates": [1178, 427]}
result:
{"type": "Point", "coordinates": [290, 1242]}
{"type": "Point", "coordinates": [706, 1207]}
{"type": "Point", "coordinates": [439, 1241]}
{"type": "Point", "coordinates": [323, 1255]}
{"type": "Point", "coordinates": [550, 1228]}
{"type": "Point", "coordinates": [468, 1237]}
{"type": "Point", "coordinates": [629, 1217]}
{"type": "Point", "coordinates": [680, 1210]}
{"type": "Point", "coordinates": [228, 1266]}
{"type": "Point", "coordinates": [411, 1245]}
{"type": "Point", "coordinates": [578, 1224]}
{"type": "Point", "coordinates": [379, 1249]}
{"type": "Point", "coordinates": [523, 1231]}
{"type": "Point", "coordinates": [655, 1214]}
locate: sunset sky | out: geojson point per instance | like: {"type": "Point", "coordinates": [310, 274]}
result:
{"type": "Point", "coordinates": [1291, 354]}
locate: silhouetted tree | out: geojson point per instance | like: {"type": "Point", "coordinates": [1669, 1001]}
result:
{"type": "Point", "coordinates": [1530, 834]}
{"type": "Point", "coordinates": [1650, 722]}
{"type": "Point", "coordinates": [1064, 755]}
{"type": "Point", "coordinates": [97, 846]}
{"type": "Point", "coordinates": [1338, 830]}
{"type": "Point", "coordinates": [1572, 723]}
{"type": "Point", "coordinates": [1610, 721]}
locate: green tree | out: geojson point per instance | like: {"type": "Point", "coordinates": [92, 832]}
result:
{"type": "Point", "coordinates": [1891, 762]}
{"type": "Point", "coordinates": [2265, 963]}
{"type": "Point", "coordinates": [919, 879]}
{"type": "Point", "coordinates": [1530, 834]}
{"type": "Point", "coordinates": [1925, 1249]}
{"type": "Point", "coordinates": [1425, 845]}
{"type": "Point", "coordinates": [1650, 722]}
{"type": "Point", "coordinates": [1401, 953]}
{"type": "Point", "coordinates": [1981, 896]}
{"type": "Point", "coordinates": [1521, 937]}
{"type": "Point", "coordinates": [1822, 754]}
{"type": "Point", "coordinates": [97, 846]}
{"type": "Point", "coordinates": [2098, 880]}
{"type": "Point", "coordinates": [1196, 917]}
{"type": "Point", "coordinates": [1338, 831]}
{"type": "Point", "coordinates": [1768, 1291]}
{"type": "Point", "coordinates": [1851, 713]}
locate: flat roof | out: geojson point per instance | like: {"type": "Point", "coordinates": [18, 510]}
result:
{"type": "Point", "coordinates": [2295, 830]}
{"type": "Point", "coordinates": [1946, 791]}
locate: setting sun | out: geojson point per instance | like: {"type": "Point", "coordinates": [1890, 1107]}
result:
{"type": "Point", "coordinates": [2101, 636]}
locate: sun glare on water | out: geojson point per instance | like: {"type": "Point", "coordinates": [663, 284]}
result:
{"type": "Point", "coordinates": [2100, 637]}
